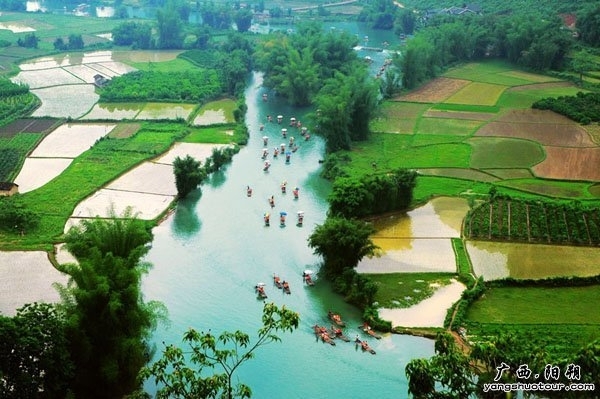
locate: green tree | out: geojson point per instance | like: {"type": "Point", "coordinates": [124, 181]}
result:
{"type": "Point", "coordinates": [34, 355]}
{"type": "Point", "coordinates": [135, 34]}
{"type": "Point", "coordinates": [243, 19]}
{"type": "Point", "coordinates": [108, 324]}
{"type": "Point", "coordinates": [189, 377]}
{"type": "Point", "coordinates": [16, 217]}
{"type": "Point", "coordinates": [59, 44]}
{"type": "Point", "coordinates": [448, 374]}
{"type": "Point", "coordinates": [30, 40]}
{"type": "Point", "coordinates": [75, 42]}
{"type": "Point", "coordinates": [342, 243]}
{"type": "Point", "coordinates": [188, 175]}
{"type": "Point", "coordinates": [170, 28]}
{"type": "Point", "coordinates": [588, 22]}
{"type": "Point", "coordinates": [582, 62]}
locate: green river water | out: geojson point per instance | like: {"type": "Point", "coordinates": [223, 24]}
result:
{"type": "Point", "coordinates": [208, 255]}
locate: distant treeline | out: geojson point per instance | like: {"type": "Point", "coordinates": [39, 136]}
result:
{"type": "Point", "coordinates": [583, 107]}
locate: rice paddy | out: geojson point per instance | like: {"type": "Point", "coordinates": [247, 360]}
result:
{"type": "Point", "coordinates": [215, 112]}
{"type": "Point", "coordinates": [70, 140]}
{"type": "Point", "coordinates": [435, 91]}
{"type": "Point", "coordinates": [66, 101]}
{"type": "Point", "coordinates": [490, 152]}
{"type": "Point", "coordinates": [158, 111]}
{"type": "Point", "coordinates": [478, 94]}
{"type": "Point", "coordinates": [570, 164]}
{"type": "Point", "coordinates": [496, 260]}
{"type": "Point", "coordinates": [444, 126]}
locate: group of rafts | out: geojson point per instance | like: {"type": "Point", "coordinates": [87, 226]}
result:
{"type": "Point", "coordinates": [292, 146]}
{"type": "Point", "coordinates": [335, 332]}
{"type": "Point", "coordinates": [283, 284]}
{"type": "Point", "coordinates": [276, 151]}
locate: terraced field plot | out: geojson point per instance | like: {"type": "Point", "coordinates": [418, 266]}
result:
{"type": "Point", "coordinates": [215, 112]}
{"type": "Point", "coordinates": [114, 111]}
{"type": "Point", "coordinates": [477, 93]}
{"type": "Point", "coordinates": [570, 164]}
{"type": "Point", "coordinates": [435, 91]}
{"type": "Point", "coordinates": [459, 173]}
{"type": "Point", "coordinates": [474, 116]}
{"type": "Point", "coordinates": [489, 152]}
{"type": "Point", "coordinates": [442, 126]}
{"type": "Point", "coordinates": [38, 171]}
{"type": "Point", "coordinates": [70, 140]}
{"type": "Point", "coordinates": [66, 101]}
{"type": "Point", "coordinates": [46, 78]}
{"type": "Point", "coordinates": [551, 188]}
{"type": "Point", "coordinates": [27, 125]}
{"type": "Point", "coordinates": [496, 260]}
{"type": "Point", "coordinates": [165, 111]}
{"type": "Point", "coordinates": [397, 117]}
{"type": "Point", "coordinates": [568, 135]}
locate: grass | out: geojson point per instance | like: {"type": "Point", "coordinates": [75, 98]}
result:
{"type": "Point", "coordinates": [428, 186]}
{"type": "Point", "coordinates": [493, 72]}
{"type": "Point", "coordinates": [402, 290]}
{"type": "Point", "coordinates": [224, 134]}
{"type": "Point", "coordinates": [397, 117]}
{"type": "Point", "coordinates": [175, 65]}
{"type": "Point", "coordinates": [537, 305]}
{"type": "Point", "coordinates": [492, 152]}
{"type": "Point", "coordinates": [466, 107]}
{"type": "Point", "coordinates": [552, 188]}
{"type": "Point", "coordinates": [525, 98]}
{"type": "Point", "coordinates": [447, 126]}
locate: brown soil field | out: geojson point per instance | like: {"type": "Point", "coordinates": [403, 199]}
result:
{"type": "Point", "coordinates": [435, 91]}
{"type": "Point", "coordinates": [474, 116]}
{"type": "Point", "coordinates": [124, 130]}
{"type": "Point", "coordinates": [570, 164]}
{"type": "Point", "coordinates": [533, 116]}
{"type": "Point", "coordinates": [27, 126]}
{"type": "Point", "coordinates": [540, 86]}
{"type": "Point", "coordinates": [551, 134]}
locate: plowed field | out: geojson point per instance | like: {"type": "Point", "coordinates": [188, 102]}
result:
{"type": "Point", "coordinates": [435, 91]}
{"type": "Point", "coordinates": [570, 164]}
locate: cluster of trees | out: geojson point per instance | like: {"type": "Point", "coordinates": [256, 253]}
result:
{"type": "Point", "coordinates": [588, 21]}
{"type": "Point", "coordinates": [385, 15]}
{"type": "Point", "coordinates": [192, 86]}
{"type": "Point", "coordinates": [528, 40]}
{"type": "Point", "coordinates": [98, 336]}
{"type": "Point", "coordinates": [74, 42]}
{"type": "Point", "coordinates": [451, 373]}
{"type": "Point", "coordinates": [189, 172]}
{"type": "Point", "coordinates": [30, 40]}
{"type": "Point", "coordinates": [15, 101]}
{"type": "Point", "coordinates": [138, 35]}
{"type": "Point", "coordinates": [372, 194]}
{"type": "Point", "coordinates": [107, 322]}
{"type": "Point", "coordinates": [583, 107]}
{"type": "Point", "coordinates": [14, 216]}
{"type": "Point", "coordinates": [313, 67]}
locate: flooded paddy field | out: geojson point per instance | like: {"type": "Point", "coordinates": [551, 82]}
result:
{"type": "Point", "coordinates": [497, 260]}
{"type": "Point", "coordinates": [418, 240]}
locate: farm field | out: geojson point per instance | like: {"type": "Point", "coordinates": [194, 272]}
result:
{"type": "Point", "coordinates": [215, 112]}
{"type": "Point", "coordinates": [570, 164]}
{"type": "Point", "coordinates": [497, 260]}
{"type": "Point", "coordinates": [70, 140]}
{"type": "Point", "coordinates": [477, 93]}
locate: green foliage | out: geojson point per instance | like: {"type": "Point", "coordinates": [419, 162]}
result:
{"type": "Point", "coordinates": [15, 101]}
{"type": "Point", "coordinates": [448, 374]}
{"type": "Point", "coordinates": [30, 40]}
{"type": "Point", "coordinates": [342, 243]}
{"type": "Point", "coordinates": [185, 86]}
{"type": "Point", "coordinates": [16, 216]}
{"type": "Point", "coordinates": [135, 34]}
{"type": "Point", "coordinates": [170, 28]}
{"type": "Point", "coordinates": [108, 323]}
{"type": "Point", "coordinates": [9, 161]}
{"type": "Point", "coordinates": [243, 19]}
{"type": "Point", "coordinates": [587, 25]}
{"type": "Point", "coordinates": [583, 107]}
{"type": "Point", "coordinates": [372, 194]}
{"type": "Point", "coordinates": [217, 16]}
{"type": "Point", "coordinates": [34, 356]}
{"type": "Point", "coordinates": [209, 354]}
{"type": "Point", "coordinates": [188, 175]}
{"type": "Point", "coordinates": [380, 14]}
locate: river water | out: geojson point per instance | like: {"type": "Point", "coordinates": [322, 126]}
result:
{"type": "Point", "coordinates": [208, 255]}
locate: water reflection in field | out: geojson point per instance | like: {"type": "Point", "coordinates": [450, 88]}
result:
{"type": "Point", "coordinates": [114, 111]}
{"type": "Point", "coordinates": [419, 240]}
{"type": "Point", "coordinates": [65, 101]}
{"type": "Point", "coordinates": [495, 260]}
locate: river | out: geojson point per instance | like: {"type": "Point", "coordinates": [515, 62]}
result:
{"type": "Point", "coordinates": [208, 255]}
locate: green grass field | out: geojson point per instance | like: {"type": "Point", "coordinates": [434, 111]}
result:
{"type": "Point", "coordinates": [447, 126]}
{"type": "Point", "coordinates": [477, 93]}
{"type": "Point", "coordinates": [492, 152]}
{"type": "Point", "coordinates": [176, 65]}
{"type": "Point", "coordinates": [553, 188]}
{"type": "Point", "coordinates": [224, 134]}
{"type": "Point", "coordinates": [402, 290]}
{"type": "Point", "coordinates": [537, 305]}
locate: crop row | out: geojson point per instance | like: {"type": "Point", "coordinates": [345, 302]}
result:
{"type": "Point", "coordinates": [9, 161]}
{"type": "Point", "coordinates": [511, 219]}
{"type": "Point", "coordinates": [16, 106]}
